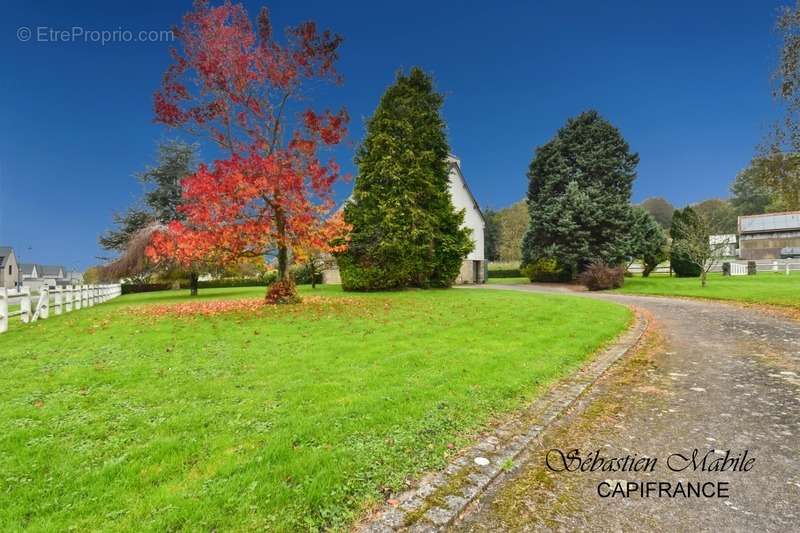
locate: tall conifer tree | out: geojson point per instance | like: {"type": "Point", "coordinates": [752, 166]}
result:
{"type": "Point", "coordinates": [406, 232]}
{"type": "Point", "coordinates": [579, 195]}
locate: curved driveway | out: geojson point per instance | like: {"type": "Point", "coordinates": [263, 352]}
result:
{"type": "Point", "coordinates": [716, 377]}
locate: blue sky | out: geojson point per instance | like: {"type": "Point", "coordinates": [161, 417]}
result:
{"type": "Point", "coordinates": [686, 82]}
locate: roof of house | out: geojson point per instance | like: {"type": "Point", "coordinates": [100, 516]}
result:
{"type": "Point", "coordinates": [770, 222]}
{"type": "Point", "coordinates": [27, 268]}
{"type": "Point", "coordinates": [5, 251]}
{"type": "Point", "coordinates": [50, 270]}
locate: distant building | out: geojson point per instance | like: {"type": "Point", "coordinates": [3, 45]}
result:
{"type": "Point", "coordinates": [9, 270]}
{"type": "Point", "coordinates": [723, 245]}
{"type": "Point", "coordinates": [770, 236]}
{"type": "Point", "coordinates": [28, 271]}
{"type": "Point", "coordinates": [34, 275]}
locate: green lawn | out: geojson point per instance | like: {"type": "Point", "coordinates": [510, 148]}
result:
{"type": "Point", "coordinates": [507, 281]}
{"type": "Point", "coordinates": [763, 288]}
{"type": "Point", "coordinates": [126, 417]}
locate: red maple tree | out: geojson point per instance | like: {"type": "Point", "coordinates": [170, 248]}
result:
{"type": "Point", "coordinates": [237, 85]}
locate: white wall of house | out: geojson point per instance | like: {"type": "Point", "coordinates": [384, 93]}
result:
{"type": "Point", "coordinates": [462, 199]}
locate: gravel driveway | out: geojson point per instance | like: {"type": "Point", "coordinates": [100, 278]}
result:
{"type": "Point", "coordinates": [712, 377]}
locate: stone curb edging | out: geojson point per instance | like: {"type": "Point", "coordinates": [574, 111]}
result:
{"type": "Point", "coordinates": [440, 498]}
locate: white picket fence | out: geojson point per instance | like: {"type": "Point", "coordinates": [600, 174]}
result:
{"type": "Point", "coordinates": [35, 306]}
{"type": "Point", "coordinates": [780, 266]}
{"type": "Point", "coordinates": [738, 269]}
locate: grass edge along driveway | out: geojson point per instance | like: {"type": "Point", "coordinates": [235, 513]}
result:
{"type": "Point", "coordinates": [765, 288]}
{"type": "Point", "coordinates": [125, 416]}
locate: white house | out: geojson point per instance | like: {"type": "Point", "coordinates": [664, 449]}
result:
{"type": "Point", "coordinates": [474, 266]}
{"type": "Point", "coordinates": [34, 275]}
{"type": "Point", "coordinates": [28, 271]}
{"type": "Point", "coordinates": [723, 245]}
{"type": "Point", "coordinates": [9, 270]}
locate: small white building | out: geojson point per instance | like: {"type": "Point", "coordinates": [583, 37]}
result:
{"type": "Point", "coordinates": [475, 266]}
{"type": "Point", "coordinates": [9, 270]}
{"type": "Point", "coordinates": [723, 245]}
{"type": "Point", "coordinates": [28, 271]}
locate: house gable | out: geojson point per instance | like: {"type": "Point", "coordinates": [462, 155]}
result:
{"type": "Point", "coordinates": [463, 198]}
{"type": "Point", "coordinates": [9, 270]}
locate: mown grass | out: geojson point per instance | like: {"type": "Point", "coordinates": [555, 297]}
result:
{"type": "Point", "coordinates": [126, 417]}
{"type": "Point", "coordinates": [763, 288]}
{"type": "Point", "coordinates": [507, 281]}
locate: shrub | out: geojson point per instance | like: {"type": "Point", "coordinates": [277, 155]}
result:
{"type": "Point", "coordinates": [684, 268]}
{"type": "Point", "coordinates": [282, 292]}
{"type": "Point", "coordinates": [599, 276]}
{"type": "Point", "coordinates": [505, 273]}
{"type": "Point", "coordinates": [546, 269]}
{"type": "Point", "coordinates": [301, 274]}
{"type": "Point", "coordinates": [726, 268]}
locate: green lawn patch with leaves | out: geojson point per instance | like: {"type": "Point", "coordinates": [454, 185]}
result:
{"type": "Point", "coordinates": [763, 288]}
{"type": "Point", "coordinates": [141, 414]}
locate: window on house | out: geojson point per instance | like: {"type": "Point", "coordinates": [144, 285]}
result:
{"type": "Point", "coordinates": [9, 270]}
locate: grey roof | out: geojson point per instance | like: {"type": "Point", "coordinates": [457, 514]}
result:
{"type": "Point", "coordinates": [770, 222]}
{"type": "Point", "coordinates": [5, 251]}
{"type": "Point", "coordinates": [27, 268]}
{"type": "Point", "coordinates": [50, 270]}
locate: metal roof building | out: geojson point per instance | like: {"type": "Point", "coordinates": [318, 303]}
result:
{"type": "Point", "coordinates": [770, 236]}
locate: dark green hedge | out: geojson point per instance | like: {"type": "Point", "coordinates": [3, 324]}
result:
{"type": "Point", "coordinates": [230, 282]}
{"type": "Point", "coordinates": [299, 275]}
{"type": "Point", "coordinates": [130, 288]}
{"type": "Point", "coordinates": [506, 273]}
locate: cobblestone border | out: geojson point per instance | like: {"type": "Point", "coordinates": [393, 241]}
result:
{"type": "Point", "coordinates": [440, 498]}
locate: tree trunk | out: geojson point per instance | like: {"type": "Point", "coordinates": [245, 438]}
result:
{"type": "Point", "coordinates": [193, 283]}
{"type": "Point", "coordinates": [283, 251]}
{"type": "Point", "coordinates": [703, 278]}
{"type": "Point", "coordinates": [283, 290]}
{"type": "Point", "coordinates": [283, 260]}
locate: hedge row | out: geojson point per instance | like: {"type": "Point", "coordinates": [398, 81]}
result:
{"type": "Point", "coordinates": [130, 288]}
{"type": "Point", "coordinates": [230, 282]}
{"type": "Point", "coordinates": [505, 273]}
{"type": "Point", "coordinates": [300, 277]}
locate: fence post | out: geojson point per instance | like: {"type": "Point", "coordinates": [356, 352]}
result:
{"type": "Point", "coordinates": [25, 305]}
{"type": "Point", "coordinates": [43, 306]}
{"type": "Point", "coordinates": [58, 300]}
{"type": "Point", "coordinates": [84, 296]}
{"type": "Point", "coordinates": [3, 309]}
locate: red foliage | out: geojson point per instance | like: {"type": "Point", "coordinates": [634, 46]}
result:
{"type": "Point", "coordinates": [282, 292]}
{"type": "Point", "coordinates": [235, 84]}
{"type": "Point", "coordinates": [193, 309]}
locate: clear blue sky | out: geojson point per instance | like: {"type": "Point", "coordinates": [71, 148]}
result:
{"type": "Point", "coordinates": [686, 82]}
